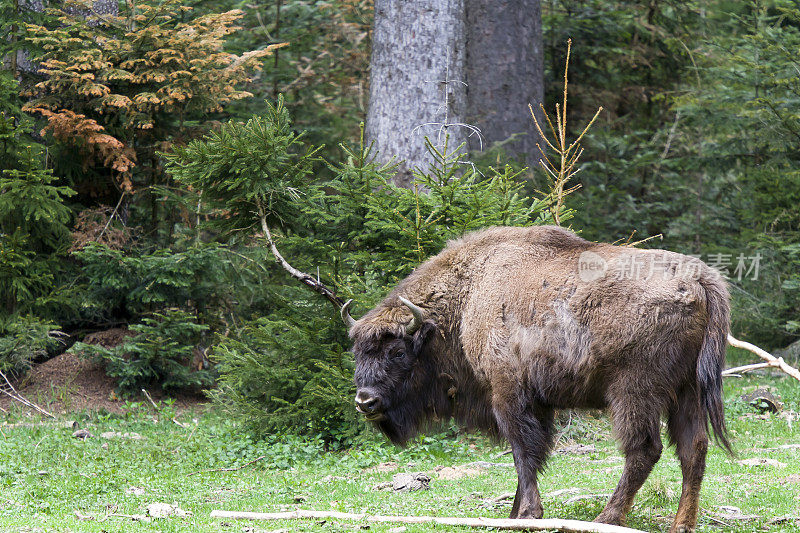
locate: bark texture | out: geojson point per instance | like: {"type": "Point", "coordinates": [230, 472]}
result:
{"type": "Point", "coordinates": [437, 65]}
{"type": "Point", "coordinates": [21, 60]}
{"type": "Point", "coordinates": [504, 70]}
{"type": "Point", "coordinates": [417, 59]}
{"type": "Point", "coordinates": [100, 9]}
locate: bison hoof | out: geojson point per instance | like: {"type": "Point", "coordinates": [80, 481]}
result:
{"type": "Point", "coordinates": [609, 518]}
{"type": "Point", "coordinates": [529, 513]}
{"type": "Point", "coordinates": [681, 529]}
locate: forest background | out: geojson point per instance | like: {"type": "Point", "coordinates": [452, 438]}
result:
{"type": "Point", "coordinates": [145, 148]}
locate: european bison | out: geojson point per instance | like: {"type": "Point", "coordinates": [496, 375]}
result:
{"type": "Point", "coordinates": [506, 325]}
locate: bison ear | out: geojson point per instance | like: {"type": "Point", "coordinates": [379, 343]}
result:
{"type": "Point", "coordinates": [419, 339]}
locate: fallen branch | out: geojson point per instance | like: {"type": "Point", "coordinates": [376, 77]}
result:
{"type": "Point", "coordinates": [775, 362]}
{"type": "Point", "coordinates": [575, 526]}
{"type": "Point", "coordinates": [738, 370]}
{"type": "Point", "coordinates": [147, 395]}
{"type": "Point", "coordinates": [230, 469]}
{"type": "Point", "coordinates": [14, 394]}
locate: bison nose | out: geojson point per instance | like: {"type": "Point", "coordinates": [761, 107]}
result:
{"type": "Point", "coordinates": [367, 403]}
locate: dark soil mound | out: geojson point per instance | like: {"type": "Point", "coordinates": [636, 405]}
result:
{"type": "Point", "coordinates": [69, 383]}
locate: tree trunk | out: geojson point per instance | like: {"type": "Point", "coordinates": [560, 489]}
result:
{"type": "Point", "coordinates": [105, 8]}
{"type": "Point", "coordinates": [416, 73]}
{"type": "Point", "coordinates": [505, 73]}
{"type": "Point", "coordinates": [438, 66]}
{"type": "Point", "coordinates": [100, 9]}
{"type": "Point", "coordinates": [21, 61]}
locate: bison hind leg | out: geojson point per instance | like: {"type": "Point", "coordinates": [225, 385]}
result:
{"type": "Point", "coordinates": [686, 423]}
{"type": "Point", "coordinates": [637, 424]}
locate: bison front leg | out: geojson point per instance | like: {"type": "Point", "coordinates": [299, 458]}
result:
{"type": "Point", "coordinates": [529, 431]}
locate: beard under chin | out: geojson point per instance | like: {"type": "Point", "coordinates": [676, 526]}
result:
{"type": "Point", "coordinates": [397, 428]}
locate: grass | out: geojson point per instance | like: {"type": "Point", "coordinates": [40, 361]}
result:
{"type": "Point", "coordinates": [46, 475]}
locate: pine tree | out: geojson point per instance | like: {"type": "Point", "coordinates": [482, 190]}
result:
{"type": "Point", "coordinates": [33, 218]}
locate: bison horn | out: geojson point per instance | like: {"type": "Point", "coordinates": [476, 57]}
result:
{"type": "Point", "coordinates": [419, 316]}
{"type": "Point", "coordinates": [348, 320]}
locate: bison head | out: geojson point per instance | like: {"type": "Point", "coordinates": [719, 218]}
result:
{"type": "Point", "coordinates": [394, 373]}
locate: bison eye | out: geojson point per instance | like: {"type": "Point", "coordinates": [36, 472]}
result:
{"type": "Point", "coordinates": [399, 355]}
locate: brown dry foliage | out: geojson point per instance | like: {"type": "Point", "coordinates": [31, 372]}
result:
{"type": "Point", "coordinates": [95, 225]}
{"type": "Point", "coordinates": [74, 128]}
{"type": "Point", "coordinates": [114, 88]}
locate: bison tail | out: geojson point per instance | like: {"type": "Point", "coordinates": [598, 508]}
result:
{"type": "Point", "coordinates": [712, 356]}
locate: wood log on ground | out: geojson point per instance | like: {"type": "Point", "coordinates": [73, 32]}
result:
{"type": "Point", "coordinates": [574, 526]}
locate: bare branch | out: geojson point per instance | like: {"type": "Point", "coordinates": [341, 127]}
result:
{"type": "Point", "coordinates": [746, 368]}
{"type": "Point", "coordinates": [568, 156]}
{"type": "Point", "coordinates": [539, 128]}
{"type": "Point", "coordinates": [776, 362]}
{"type": "Point", "coordinates": [14, 394]}
{"type": "Point", "coordinates": [111, 217]}
{"type": "Point", "coordinates": [150, 398]}
{"type": "Point", "coordinates": [304, 278]}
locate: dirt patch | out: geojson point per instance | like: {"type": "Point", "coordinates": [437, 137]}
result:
{"type": "Point", "coordinates": [761, 461]}
{"type": "Point", "coordinates": [68, 383]}
{"type": "Point", "coordinates": [790, 479]}
{"type": "Point", "coordinates": [449, 473]}
{"type": "Point", "coordinates": [391, 466]}
{"type": "Point", "coordinates": [110, 338]}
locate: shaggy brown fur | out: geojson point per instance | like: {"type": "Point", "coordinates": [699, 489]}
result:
{"type": "Point", "coordinates": [522, 321]}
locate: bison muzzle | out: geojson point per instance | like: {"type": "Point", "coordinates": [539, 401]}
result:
{"type": "Point", "coordinates": [506, 325]}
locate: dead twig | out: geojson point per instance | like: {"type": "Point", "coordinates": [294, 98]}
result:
{"type": "Point", "coordinates": [111, 217]}
{"type": "Point", "coordinates": [717, 520]}
{"type": "Point", "coordinates": [564, 167]}
{"type": "Point", "coordinates": [771, 360]}
{"type": "Point", "coordinates": [150, 399]}
{"type": "Point", "coordinates": [574, 526]}
{"type": "Point", "coordinates": [231, 469]}
{"type": "Point", "coordinates": [14, 394]}
{"type": "Point", "coordinates": [308, 280]}
{"type": "Point", "coordinates": [186, 440]}
{"type": "Point", "coordinates": [737, 371]}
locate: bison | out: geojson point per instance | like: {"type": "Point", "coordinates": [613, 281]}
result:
{"type": "Point", "coordinates": [508, 324]}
